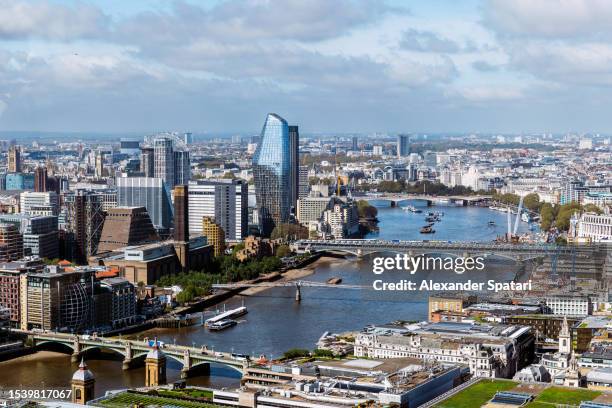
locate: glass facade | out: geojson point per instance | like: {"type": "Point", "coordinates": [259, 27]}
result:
{"type": "Point", "coordinates": [151, 193]}
{"type": "Point", "coordinates": [271, 171]}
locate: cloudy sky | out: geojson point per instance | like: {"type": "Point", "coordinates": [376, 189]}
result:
{"type": "Point", "coordinates": [327, 65]}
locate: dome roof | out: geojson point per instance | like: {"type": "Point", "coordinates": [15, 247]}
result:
{"type": "Point", "coordinates": [83, 373]}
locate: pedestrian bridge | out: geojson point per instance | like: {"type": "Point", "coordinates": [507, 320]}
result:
{"type": "Point", "coordinates": [362, 247]}
{"type": "Point", "coordinates": [193, 360]}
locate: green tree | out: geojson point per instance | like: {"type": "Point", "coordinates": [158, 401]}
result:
{"type": "Point", "coordinates": [547, 216]}
{"type": "Point", "coordinates": [282, 251]}
{"type": "Point", "coordinates": [532, 202]}
{"type": "Point", "coordinates": [366, 210]}
{"type": "Point", "coordinates": [562, 221]}
{"type": "Point", "coordinates": [592, 208]}
{"type": "Point", "coordinates": [296, 353]}
{"type": "Point", "coordinates": [289, 232]}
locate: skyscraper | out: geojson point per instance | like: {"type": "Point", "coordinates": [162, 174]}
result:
{"type": "Point", "coordinates": [403, 146]}
{"type": "Point", "coordinates": [14, 159]}
{"type": "Point", "coordinates": [225, 201]}
{"type": "Point", "coordinates": [84, 220]}
{"type": "Point", "coordinates": [147, 161]}
{"type": "Point", "coordinates": [272, 172]}
{"type": "Point", "coordinates": [40, 179]}
{"type": "Point", "coordinates": [163, 164]}
{"type": "Point", "coordinates": [148, 192]}
{"type": "Point", "coordinates": [294, 157]}
{"type": "Point", "coordinates": [355, 146]}
{"type": "Point", "coordinates": [99, 164]}
{"type": "Point", "coordinates": [182, 167]}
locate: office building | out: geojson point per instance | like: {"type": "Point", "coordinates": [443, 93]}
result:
{"type": "Point", "coordinates": [125, 226]}
{"type": "Point", "coordinates": [403, 146]}
{"type": "Point", "coordinates": [14, 159]}
{"type": "Point", "coordinates": [225, 201]}
{"type": "Point", "coordinates": [355, 144]}
{"type": "Point", "coordinates": [57, 299]}
{"type": "Point", "coordinates": [294, 160]}
{"type": "Point", "coordinates": [130, 146]}
{"type": "Point", "coordinates": [122, 307]}
{"type": "Point", "coordinates": [163, 160]}
{"type": "Point", "coordinates": [10, 275]}
{"type": "Point", "coordinates": [592, 227]}
{"type": "Point", "coordinates": [569, 304]}
{"type": "Point", "coordinates": [84, 219]}
{"type": "Point", "coordinates": [489, 351]}
{"type": "Point", "coordinates": [149, 192]}
{"type": "Point", "coordinates": [214, 234]}
{"type": "Point", "coordinates": [272, 172]}
{"type": "Point", "coordinates": [341, 221]}
{"type": "Point", "coordinates": [11, 243]}
{"type": "Point", "coordinates": [20, 181]}
{"type": "Point", "coordinates": [39, 203]}
{"type": "Point", "coordinates": [40, 179]}
{"type": "Point", "coordinates": [182, 167]}
{"type": "Point", "coordinates": [39, 233]}
{"type": "Point", "coordinates": [311, 209]}
{"type": "Point", "coordinates": [304, 184]}
{"type": "Point", "coordinates": [147, 160]}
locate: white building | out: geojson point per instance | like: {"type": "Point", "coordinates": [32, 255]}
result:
{"type": "Point", "coordinates": [39, 203]}
{"type": "Point", "coordinates": [569, 305]}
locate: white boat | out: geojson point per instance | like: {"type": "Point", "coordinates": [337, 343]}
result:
{"type": "Point", "coordinates": [226, 315]}
{"type": "Point", "coordinates": [221, 325]}
{"type": "Point", "coordinates": [525, 217]}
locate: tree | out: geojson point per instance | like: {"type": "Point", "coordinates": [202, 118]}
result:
{"type": "Point", "coordinates": [366, 210]}
{"type": "Point", "coordinates": [532, 202]}
{"type": "Point", "coordinates": [592, 208]}
{"type": "Point", "coordinates": [547, 216]}
{"type": "Point", "coordinates": [295, 353]}
{"type": "Point", "coordinates": [282, 251]}
{"type": "Point", "coordinates": [562, 221]}
{"type": "Point", "coordinates": [289, 232]}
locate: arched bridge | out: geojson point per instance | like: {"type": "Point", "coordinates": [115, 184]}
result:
{"type": "Point", "coordinates": [395, 198]}
{"type": "Point", "coordinates": [362, 247]}
{"type": "Point", "coordinates": [192, 359]}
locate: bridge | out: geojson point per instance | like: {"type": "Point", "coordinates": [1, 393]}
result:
{"type": "Point", "coordinates": [193, 360]}
{"type": "Point", "coordinates": [517, 252]}
{"type": "Point", "coordinates": [296, 284]}
{"type": "Point", "coordinates": [395, 198]}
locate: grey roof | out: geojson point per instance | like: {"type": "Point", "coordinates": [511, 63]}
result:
{"type": "Point", "coordinates": [83, 373]}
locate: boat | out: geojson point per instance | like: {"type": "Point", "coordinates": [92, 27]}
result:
{"type": "Point", "coordinates": [525, 217]}
{"type": "Point", "coordinates": [412, 209]}
{"type": "Point", "coordinates": [334, 281]}
{"type": "Point", "coordinates": [427, 230]}
{"type": "Point", "coordinates": [240, 311]}
{"type": "Point", "coordinates": [491, 223]}
{"type": "Point", "coordinates": [430, 219]}
{"type": "Point", "coordinates": [222, 325]}
{"type": "Point", "coordinates": [500, 209]}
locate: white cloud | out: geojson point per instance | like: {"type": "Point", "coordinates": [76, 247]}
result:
{"type": "Point", "coordinates": [23, 20]}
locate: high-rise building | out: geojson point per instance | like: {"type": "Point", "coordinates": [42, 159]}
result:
{"type": "Point", "coordinates": [39, 233]}
{"type": "Point", "coordinates": [294, 159]}
{"type": "Point", "coordinates": [125, 226]}
{"type": "Point", "coordinates": [182, 167]}
{"type": "Point", "coordinates": [272, 172]}
{"type": "Point", "coordinates": [355, 146]}
{"type": "Point", "coordinates": [40, 179]}
{"type": "Point", "coordinates": [304, 185]}
{"type": "Point", "coordinates": [163, 165]}
{"type": "Point", "coordinates": [84, 221]}
{"type": "Point", "coordinates": [100, 164]}
{"type": "Point", "coordinates": [14, 159]}
{"type": "Point", "coordinates": [130, 146]}
{"type": "Point", "coordinates": [181, 225]}
{"type": "Point", "coordinates": [225, 201]}
{"type": "Point", "coordinates": [214, 234]}
{"type": "Point", "coordinates": [11, 243]}
{"type": "Point", "coordinates": [403, 145]}
{"type": "Point", "coordinates": [147, 167]}
{"type": "Point", "coordinates": [149, 192]}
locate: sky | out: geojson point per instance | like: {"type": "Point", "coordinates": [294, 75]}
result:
{"type": "Point", "coordinates": [508, 66]}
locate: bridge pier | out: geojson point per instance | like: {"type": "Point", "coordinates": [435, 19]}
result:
{"type": "Point", "coordinates": [76, 350]}
{"type": "Point", "coordinates": [359, 253]}
{"type": "Point", "coordinates": [298, 293]}
{"type": "Point", "coordinates": [393, 203]}
{"type": "Point", "coordinates": [127, 361]}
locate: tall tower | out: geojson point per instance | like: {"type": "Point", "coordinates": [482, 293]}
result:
{"type": "Point", "coordinates": [294, 158]}
{"type": "Point", "coordinates": [163, 164]}
{"type": "Point", "coordinates": [82, 384]}
{"type": "Point", "coordinates": [99, 164]}
{"type": "Point", "coordinates": [181, 225]}
{"type": "Point", "coordinates": [214, 235]}
{"type": "Point", "coordinates": [40, 179]}
{"type": "Point", "coordinates": [14, 159]}
{"type": "Point", "coordinates": [565, 338]}
{"type": "Point", "coordinates": [147, 159]}
{"type": "Point", "coordinates": [403, 146]}
{"type": "Point", "coordinates": [272, 172]}
{"type": "Point", "coordinates": [155, 367]}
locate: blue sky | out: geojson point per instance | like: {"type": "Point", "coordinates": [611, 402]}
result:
{"type": "Point", "coordinates": [338, 66]}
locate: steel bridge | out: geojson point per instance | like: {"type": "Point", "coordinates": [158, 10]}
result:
{"type": "Point", "coordinates": [298, 285]}
{"type": "Point", "coordinates": [194, 360]}
{"type": "Point", "coordinates": [517, 252]}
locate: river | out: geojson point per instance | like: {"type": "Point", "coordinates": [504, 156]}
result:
{"type": "Point", "coordinates": [276, 322]}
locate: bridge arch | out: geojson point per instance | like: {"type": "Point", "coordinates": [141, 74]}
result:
{"type": "Point", "coordinates": [59, 346]}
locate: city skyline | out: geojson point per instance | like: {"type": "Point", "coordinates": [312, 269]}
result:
{"type": "Point", "coordinates": [210, 66]}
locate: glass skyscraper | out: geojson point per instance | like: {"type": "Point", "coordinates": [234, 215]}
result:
{"type": "Point", "coordinates": [272, 173]}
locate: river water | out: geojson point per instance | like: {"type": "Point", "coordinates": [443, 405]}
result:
{"type": "Point", "coordinates": [276, 322]}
